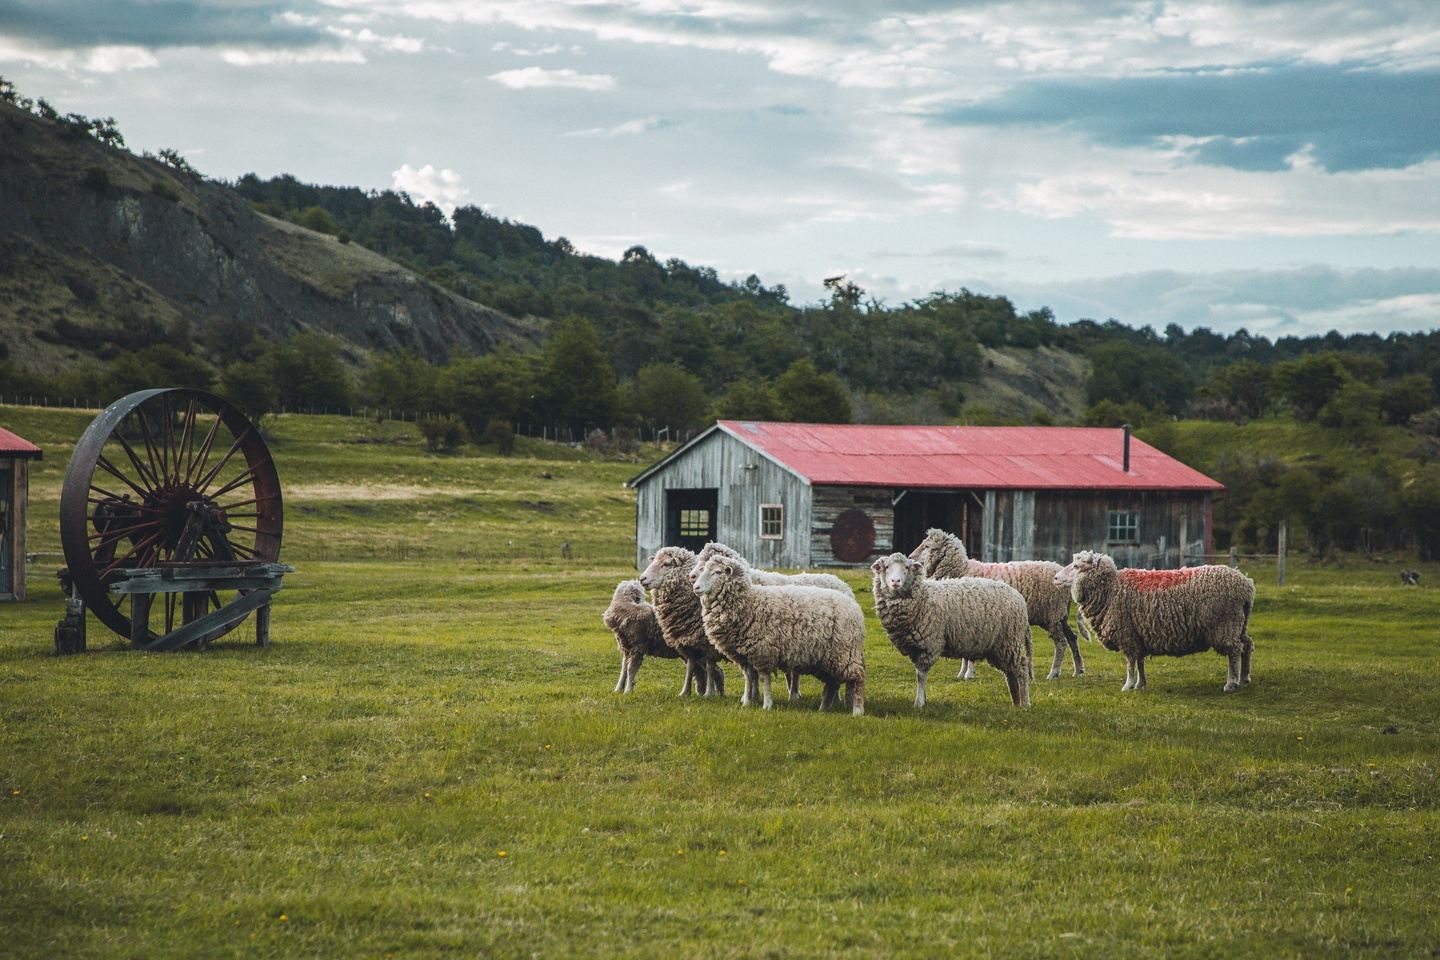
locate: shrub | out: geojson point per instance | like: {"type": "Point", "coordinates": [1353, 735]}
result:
{"type": "Point", "coordinates": [500, 434]}
{"type": "Point", "coordinates": [442, 433]}
{"type": "Point", "coordinates": [95, 178]}
{"type": "Point", "coordinates": [165, 190]}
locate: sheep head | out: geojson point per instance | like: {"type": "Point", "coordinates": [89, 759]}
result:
{"type": "Point", "coordinates": [719, 572]}
{"type": "Point", "coordinates": [897, 574]}
{"type": "Point", "coordinates": [711, 549]}
{"type": "Point", "coordinates": [628, 591]}
{"type": "Point", "coordinates": [939, 543]}
{"type": "Point", "coordinates": [1084, 564]}
{"type": "Point", "coordinates": [666, 562]}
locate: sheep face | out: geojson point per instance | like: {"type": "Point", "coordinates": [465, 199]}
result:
{"type": "Point", "coordinates": [897, 574]}
{"type": "Point", "coordinates": [717, 571]}
{"type": "Point", "coordinates": [1084, 562]}
{"type": "Point", "coordinates": [934, 538]}
{"type": "Point", "coordinates": [711, 549]}
{"type": "Point", "coordinates": [665, 560]}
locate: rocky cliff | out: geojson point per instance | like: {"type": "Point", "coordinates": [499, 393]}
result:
{"type": "Point", "coordinates": [100, 249]}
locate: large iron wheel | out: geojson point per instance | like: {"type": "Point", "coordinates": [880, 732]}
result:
{"type": "Point", "coordinates": [141, 470]}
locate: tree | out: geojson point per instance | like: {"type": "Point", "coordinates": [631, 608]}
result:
{"type": "Point", "coordinates": [1244, 385]}
{"type": "Point", "coordinates": [398, 381]}
{"type": "Point", "coordinates": [749, 400]}
{"type": "Point", "coordinates": [1403, 398]}
{"type": "Point", "coordinates": [1355, 407]}
{"type": "Point", "coordinates": [664, 395]}
{"type": "Point", "coordinates": [499, 386]}
{"type": "Point", "coordinates": [319, 220]}
{"type": "Point", "coordinates": [308, 372]}
{"type": "Point", "coordinates": [1309, 383]}
{"type": "Point", "coordinates": [250, 385]}
{"type": "Point", "coordinates": [809, 396]}
{"type": "Point", "coordinates": [159, 366]}
{"type": "Point", "coordinates": [1131, 373]}
{"type": "Point", "coordinates": [1421, 501]}
{"type": "Point", "coordinates": [577, 382]}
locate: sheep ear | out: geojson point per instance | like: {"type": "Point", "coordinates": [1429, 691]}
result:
{"type": "Point", "coordinates": [877, 565]}
{"type": "Point", "coordinates": [914, 565]}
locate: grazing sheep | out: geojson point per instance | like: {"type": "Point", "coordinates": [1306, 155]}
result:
{"type": "Point", "coordinates": [637, 632]}
{"type": "Point", "coordinates": [678, 608]}
{"type": "Point", "coordinates": [1411, 578]}
{"type": "Point", "coordinates": [1170, 613]}
{"type": "Point", "coordinates": [767, 578]}
{"type": "Point", "coordinates": [970, 617]}
{"type": "Point", "coordinates": [1048, 605]}
{"type": "Point", "coordinates": [764, 629]}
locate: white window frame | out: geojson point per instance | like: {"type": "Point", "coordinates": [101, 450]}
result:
{"type": "Point", "coordinates": [780, 535]}
{"type": "Point", "coordinates": [1131, 523]}
{"type": "Point", "coordinates": [687, 523]}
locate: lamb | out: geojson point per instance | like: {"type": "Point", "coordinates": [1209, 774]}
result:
{"type": "Point", "coordinates": [766, 578]}
{"type": "Point", "coordinates": [765, 628]}
{"type": "Point", "coordinates": [944, 556]}
{"type": "Point", "coordinates": [1171, 613]}
{"type": "Point", "coordinates": [637, 632]}
{"type": "Point", "coordinates": [678, 609]}
{"type": "Point", "coordinates": [973, 618]}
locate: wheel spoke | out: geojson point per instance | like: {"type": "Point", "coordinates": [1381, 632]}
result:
{"type": "Point", "coordinates": [152, 452]}
{"type": "Point", "coordinates": [184, 449]}
{"type": "Point", "coordinates": [133, 550]}
{"type": "Point", "coordinates": [140, 468]}
{"type": "Point", "coordinates": [203, 454]}
{"type": "Point", "coordinates": [128, 505]}
{"type": "Point", "coordinates": [108, 536]}
{"type": "Point", "coordinates": [214, 472]}
{"type": "Point", "coordinates": [109, 468]}
{"type": "Point", "coordinates": [248, 474]}
{"type": "Point", "coordinates": [169, 612]}
{"type": "Point", "coordinates": [115, 497]}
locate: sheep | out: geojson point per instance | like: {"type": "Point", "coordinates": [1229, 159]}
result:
{"type": "Point", "coordinates": [765, 628]}
{"type": "Point", "coordinates": [678, 609]}
{"type": "Point", "coordinates": [1171, 613]}
{"type": "Point", "coordinates": [637, 632]}
{"type": "Point", "coordinates": [766, 578]}
{"type": "Point", "coordinates": [973, 618]}
{"type": "Point", "coordinates": [944, 556]}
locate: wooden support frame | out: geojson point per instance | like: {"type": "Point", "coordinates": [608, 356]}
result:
{"type": "Point", "coordinates": [256, 583]}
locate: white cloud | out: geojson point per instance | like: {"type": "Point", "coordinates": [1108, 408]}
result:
{"type": "Point", "coordinates": [629, 128]}
{"type": "Point", "coordinates": [444, 188]}
{"type": "Point", "coordinates": [271, 56]}
{"type": "Point", "coordinates": [533, 78]}
{"type": "Point", "coordinates": [393, 44]}
{"type": "Point", "coordinates": [102, 59]}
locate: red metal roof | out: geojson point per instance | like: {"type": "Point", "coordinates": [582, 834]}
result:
{"type": "Point", "coordinates": [993, 458]}
{"type": "Point", "coordinates": [17, 447]}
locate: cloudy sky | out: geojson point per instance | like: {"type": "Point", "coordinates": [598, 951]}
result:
{"type": "Point", "coordinates": [1271, 164]}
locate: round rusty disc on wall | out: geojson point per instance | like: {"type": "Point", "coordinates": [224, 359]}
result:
{"type": "Point", "coordinates": [852, 538]}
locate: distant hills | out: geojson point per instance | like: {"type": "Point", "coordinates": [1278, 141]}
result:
{"type": "Point", "coordinates": [102, 251]}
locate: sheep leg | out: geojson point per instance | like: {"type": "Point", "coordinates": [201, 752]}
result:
{"type": "Point", "coordinates": [967, 669]}
{"type": "Point", "coordinates": [689, 681]}
{"type": "Point", "coordinates": [1012, 680]}
{"type": "Point", "coordinates": [751, 686]}
{"type": "Point", "coordinates": [716, 681]}
{"type": "Point", "coordinates": [1245, 652]}
{"type": "Point", "coordinates": [827, 697]}
{"type": "Point", "coordinates": [624, 667]}
{"type": "Point", "coordinates": [1057, 637]}
{"type": "Point", "coordinates": [855, 693]}
{"type": "Point", "coordinates": [769, 704]}
{"type": "Point", "coordinates": [1129, 675]}
{"type": "Point", "coordinates": [1030, 653]}
{"type": "Point", "coordinates": [921, 672]}
{"type": "Point", "coordinates": [792, 681]}
{"type": "Point", "coordinates": [633, 668]}
{"type": "Point", "coordinates": [1074, 642]}
{"type": "Point", "coordinates": [1140, 672]}
{"type": "Point", "coordinates": [1232, 673]}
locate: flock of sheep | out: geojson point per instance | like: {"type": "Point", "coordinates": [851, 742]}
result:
{"type": "Point", "coordinates": [934, 603]}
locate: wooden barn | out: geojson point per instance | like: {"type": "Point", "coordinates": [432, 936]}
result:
{"type": "Point", "coordinates": [15, 455]}
{"type": "Point", "coordinates": [794, 495]}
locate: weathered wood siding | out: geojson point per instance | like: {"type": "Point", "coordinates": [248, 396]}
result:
{"type": "Point", "coordinates": [16, 477]}
{"type": "Point", "coordinates": [744, 480]}
{"type": "Point", "coordinates": [829, 502]}
{"type": "Point", "coordinates": [1069, 520]}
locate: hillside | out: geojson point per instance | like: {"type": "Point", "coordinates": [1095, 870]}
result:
{"type": "Point", "coordinates": [103, 251]}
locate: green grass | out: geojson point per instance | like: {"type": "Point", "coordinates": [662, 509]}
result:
{"type": "Point", "coordinates": [415, 717]}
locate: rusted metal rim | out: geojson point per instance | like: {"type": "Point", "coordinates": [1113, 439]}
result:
{"type": "Point", "coordinates": [122, 503]}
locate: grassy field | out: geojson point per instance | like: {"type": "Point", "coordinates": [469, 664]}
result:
{"type": "Point", "coordinates": [429, 762]}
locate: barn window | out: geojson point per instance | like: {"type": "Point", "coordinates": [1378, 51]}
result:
{"type": "Point", "coordinates": [695, 523]}
{"type": "Point", "coordinates": [772, 521]}
{"type": "Point", "coordinates": [1124, 526]}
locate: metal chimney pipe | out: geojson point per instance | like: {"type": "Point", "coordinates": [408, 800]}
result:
{"type": "Point", "coordinates": [1125, 428]}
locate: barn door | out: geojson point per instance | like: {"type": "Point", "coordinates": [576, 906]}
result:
{"type": "Point", "coordinates": [919, 510]}
{"type": "Point", "coordinates": [7, 521]}
{"type": "Point", "coordinates": [690, 517]}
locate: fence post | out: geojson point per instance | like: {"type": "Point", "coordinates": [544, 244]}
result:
{"type": "Point", "coordinates": [1280, 564]}
{"type": "Point", "coordinates": [1234, 556]}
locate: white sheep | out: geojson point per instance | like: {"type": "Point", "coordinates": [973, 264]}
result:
{"type": "Point", "coordinates": [678, 609]}
{"type": "Point", "coordinates": [637, 632]}
{"type": "Point", "coordinates": [971, 617]}
{"type": "Point", "coordinates": [767, 578]}
{"type": "Point", "coordinates": [1169, 613]}
{"type": "Point", "coordinates": [1048, 606]}
{"type": "Point", "coordinates": [764, 629]}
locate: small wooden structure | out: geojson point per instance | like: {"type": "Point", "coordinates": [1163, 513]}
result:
{"type": "Point", "coordinates": [195, 582]}
{"type": "Point", "coordinates": [794, 495]}
{"type": "Point", "coordinates": [15, 456]}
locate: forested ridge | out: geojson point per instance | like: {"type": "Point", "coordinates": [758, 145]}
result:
{"type": "Point", "coordinates": [641, 343]}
